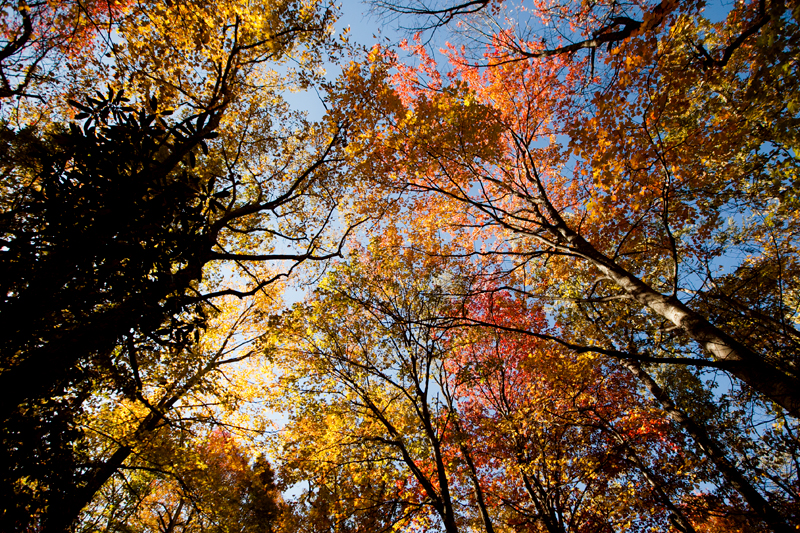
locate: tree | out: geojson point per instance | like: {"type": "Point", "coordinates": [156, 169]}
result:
{"type": "Point", "coordinates": [147, 425]}
{"type": "Point", "coordinates": [626, 176]}
{"type": "Point", "coordinates": [79, 238]}
{"type": "Point", "coordinates": [639, 193]}
{"type": "Point", "coordinates": [366, 397]}
{"type": "Point", "coordinates": [41, 39]}
{"type": "Point", "coordinates": [381, 397]}
{"type": "Point", "coordinates": [112, 230]}
{"type": "Point", "coordinates": [215, 488]}
{"type": "Point", "coordinates": [579, 448]}
{"type": "Point", "coordinates": [488, 427]}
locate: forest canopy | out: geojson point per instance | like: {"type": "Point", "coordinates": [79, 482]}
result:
{"type": "Point", "coordinates": [534, 269]}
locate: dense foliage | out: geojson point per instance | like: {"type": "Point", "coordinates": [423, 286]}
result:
{"type": "Point", "coordinates": [544, 273]}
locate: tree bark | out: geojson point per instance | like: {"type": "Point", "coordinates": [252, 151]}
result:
{"type": "Point", "coordinates": [761, 507]}
{"type": "Point", "coordinates": [743, 362]}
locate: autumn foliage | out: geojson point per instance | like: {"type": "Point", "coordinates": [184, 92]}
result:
{"type": "Point", "coordinates": [535, 269]}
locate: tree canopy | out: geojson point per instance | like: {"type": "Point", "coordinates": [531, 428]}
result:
{"type": "Point", "coordinates": [535, 268]}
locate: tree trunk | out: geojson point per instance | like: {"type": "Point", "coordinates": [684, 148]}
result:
{"type": "Point", "coordinates": [744, 363]}
{"type": "Point", "coordinates": [64, 511]}
{"type": "Point", "coordinates": [761, 507]}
